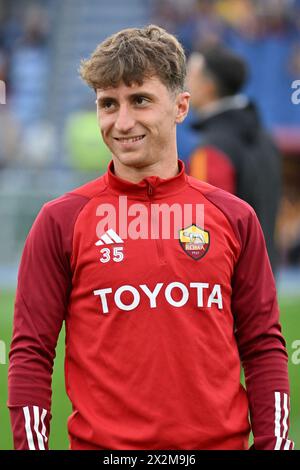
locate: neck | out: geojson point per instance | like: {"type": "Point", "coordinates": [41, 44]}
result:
{"type": "Point", "coordinates": [134, 174]}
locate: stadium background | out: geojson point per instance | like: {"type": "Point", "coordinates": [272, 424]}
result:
{"type": "Point", "coordinates": [49, 140]}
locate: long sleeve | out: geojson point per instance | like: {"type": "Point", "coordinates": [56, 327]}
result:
{"type": "Point", "coordinates": [261, 344]}
{"type": "Point", "coordinates": [257, 329]}
{"type": "Point", "coordinates": [44, 284]}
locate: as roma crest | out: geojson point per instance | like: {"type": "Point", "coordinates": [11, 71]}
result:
{"type": "Point", "coordinates": [194, 241]}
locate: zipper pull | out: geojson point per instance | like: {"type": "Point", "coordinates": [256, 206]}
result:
{"type": "Point", "coordinates": [150, 190]}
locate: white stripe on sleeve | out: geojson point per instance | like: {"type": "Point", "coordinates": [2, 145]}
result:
{"type": "Point", "coordinates": [287, 445]}
{"type": "Point", "coordinates": [28, 428]}
{"type": "Point", "coordinates": [278, 443]}
{"type": "Point", "coordinates": [44, 413]}
{"type": "Point", "coordinates": [277, 414]}
{"type": "Point", "coordinates": [286, 413]}
{"type": "Point", "coordinates": [278, 417]}
{"type": "Point", "coordinates": [36, 427]}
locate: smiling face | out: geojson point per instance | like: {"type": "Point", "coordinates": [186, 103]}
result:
{"type": "Point", "coordinates": [138, 124]}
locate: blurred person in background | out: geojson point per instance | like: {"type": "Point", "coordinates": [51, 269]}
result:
{"type": "Point", "coordinates": [9, 129]}
{"type": "Point", "coordinates": [235, 153]}
{"type": "Point", "coordinates": [29, 68]}
{"type": "Point", "coordinates": [29, 80]}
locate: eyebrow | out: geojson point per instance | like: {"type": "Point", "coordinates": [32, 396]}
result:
{"type": "Point", "coordinates": [145, 93]}
{"type": "Point", "coordinates": [102, 99]}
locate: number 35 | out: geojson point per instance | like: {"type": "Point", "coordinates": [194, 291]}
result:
{"type": "Point", "coordinates": [116, 254]}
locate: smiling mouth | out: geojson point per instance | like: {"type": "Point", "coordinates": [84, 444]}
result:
{"type": "Point", "coordinates": [129, 139]}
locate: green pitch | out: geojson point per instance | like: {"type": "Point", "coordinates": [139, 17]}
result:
{"type": "Point", "coordinates": [61, 408]}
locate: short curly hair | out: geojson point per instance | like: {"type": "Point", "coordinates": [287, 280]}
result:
{"type": "Point", "coordinates": [133, 54]}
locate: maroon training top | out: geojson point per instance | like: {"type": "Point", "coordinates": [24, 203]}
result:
{"type": "Point", "coordinates": [156, 327]}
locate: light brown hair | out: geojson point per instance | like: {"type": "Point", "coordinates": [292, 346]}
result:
{"type": "Point", "coordinates": [134, 54]}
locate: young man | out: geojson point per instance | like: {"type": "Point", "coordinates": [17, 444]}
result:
{"type": "Point", "coordinates": [156, 325]}
{"type": "Point", "coordinates": [235, 153]}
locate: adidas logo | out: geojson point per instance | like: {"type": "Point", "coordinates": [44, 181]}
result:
{"type": "Point", "coordinates": [109, 237]}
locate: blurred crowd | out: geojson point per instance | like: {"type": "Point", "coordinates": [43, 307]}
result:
{"type": "Point", "coordinates": [265, 33]}
{"type": "Point", "coordinates": [24, 67]}
{"type": "Point", "coordinates": [199, 22]}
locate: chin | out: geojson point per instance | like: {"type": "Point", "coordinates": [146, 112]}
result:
{"type": "Point", "coordinates": [136, 161]}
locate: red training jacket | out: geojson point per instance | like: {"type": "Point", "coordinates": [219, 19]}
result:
{"type": "Point", "coordinates": [156, 328]}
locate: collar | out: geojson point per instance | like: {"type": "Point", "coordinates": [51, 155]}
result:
{"type": "Point", "coordinates": [224, 104]}
{"type": "Point", "coordinates": [218, 108]}
{"type": "Point", "coordinates": [152, 187]}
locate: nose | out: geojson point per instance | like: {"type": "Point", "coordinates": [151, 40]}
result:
{"type": "Point", "coordinates": [125, 120]}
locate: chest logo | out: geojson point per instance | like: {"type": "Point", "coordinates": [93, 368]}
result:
{"type": "Point", "coordinates": [109, 253]}
{"type": "Point", "coordinates": [194, 241]}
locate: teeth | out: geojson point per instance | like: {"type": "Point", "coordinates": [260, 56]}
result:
{"type": "Point", "coordinates": [131, 139]}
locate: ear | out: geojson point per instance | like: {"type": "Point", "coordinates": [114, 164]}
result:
{"type": "Point", "coordinates": [182, 106]}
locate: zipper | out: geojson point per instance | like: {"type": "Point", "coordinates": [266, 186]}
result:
{"type": "Point", "coordinates": [158, 241]}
